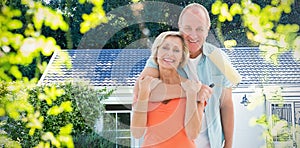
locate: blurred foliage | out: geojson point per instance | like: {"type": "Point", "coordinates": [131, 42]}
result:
{"type": "Point", "coordinates": [272, 26]}
{"type": "Point", "coordinates": [18, 109]}
{"type": "Point", "coordinates": [276, 129]}
{"type": "Point", "coordinates": [26, 38]}
{"type": "Point", "coordinates": [126, 34]}
{"type": "Point", "coordinates": [22, 42]}
{"type": "Point", "coordinates": [265, 25]}
{"type": "Point", "coordinates": [95, 18]}
{"type": "Point", "coordinates": [8, 143]}
{"type": "Point", "coordinates": [78, 109]}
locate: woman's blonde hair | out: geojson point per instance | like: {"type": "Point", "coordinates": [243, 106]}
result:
{"type": "Point", "coordinates": [160, 39]}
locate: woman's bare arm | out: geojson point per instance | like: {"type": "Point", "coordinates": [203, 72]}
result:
{"type": "Point", "coordinates": [153, 72]}
{"type": "Point", "coordinates": [164, 92]}
{"type": "Point", "coordinates": [140, 105]}
{"type": "Point", "coordinates": [139, 116]}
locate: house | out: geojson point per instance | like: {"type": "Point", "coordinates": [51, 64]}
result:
{"type": "Point", "coordinates": [119, 68]}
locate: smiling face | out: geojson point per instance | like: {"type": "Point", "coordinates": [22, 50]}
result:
{"type": "Point", "coordinates": [194, 27]}
{"type": "Point", "coordinates": [170, 52]}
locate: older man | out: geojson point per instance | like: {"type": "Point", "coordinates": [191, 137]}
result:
{"type": "Point", "coordinates": [208, 65]}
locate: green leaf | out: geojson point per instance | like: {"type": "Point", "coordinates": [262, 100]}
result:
{"type": "Point", "coordinates": [48, 47]}
{"type": "Point", "coordinates": [275, 2]}
{"type": "Point", "coordinates": [221, 18]}
{"type": "Point", "coordinates": [215, 8]}
{"type": "Point", "coordinates": [135, 1]}
{"type": "Point", "coordinates": [262, 120]}
{"type": "Point", "coordinates": [14, 24]}
{"type": "Point", "coordinates": [14, 70]}
{"type": "Point", "coordinates": [66, 129]}
{"type": "Point", "coordinates": [38, 18]}
{"type": "Point", "coordinates": [66, 106]}
{"type": "Point", "coordinates": [224, 9]}
{"type": "Point", "coordinates": [286, 8]}
{"type": "Point", "coordinates": [254, 8]}
{"type": "Point", "coordinates": [55, 110]}
{"type": "Point", "coordinates": [290, 38]}
{"type": "Point", "coordinates": [275, 14]}
{"type": "Point", "coordinates": [97, 2]}
{"type": "Point", "coordinates": [81, 1]}
{"type": "Point", "coordinates": [296, 46]}
{"type": "Point", "coordinates": [2, 112]}
{"type": "Point", "coordinates": [294, 28]}
{"type": "Point", "coordinates": [50, 136]}
{"type": "Point", "coordinates": [31, 131]}
{"type": "Point", "coordinates": [66, 140]}
{"type": "Point", "coordinates": [236, 9]}
{"type": "Point", "coordinates": [64, 26]}
{"type": "Point", "coordinates": [230, 43]}
{"type": "Point", "coordinates": [16, 12]}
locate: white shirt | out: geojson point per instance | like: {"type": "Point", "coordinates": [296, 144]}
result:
{"type": "Point", "coordinates": [202, 140]}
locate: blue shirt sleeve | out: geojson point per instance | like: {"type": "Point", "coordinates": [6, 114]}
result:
{"type": "Point", "coordinates": [150, 63]}
{"type": "Point", "coordinates": [226, 82]}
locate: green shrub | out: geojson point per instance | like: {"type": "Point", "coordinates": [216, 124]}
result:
{"type": "Point", "coordinates": [86, 108]}
{"type": "Point", "coordinates": [8, 143]}
{"type": "Point", "coordinates": [3, 92]}
{"type": "Point", "coordinates": [94, 140]}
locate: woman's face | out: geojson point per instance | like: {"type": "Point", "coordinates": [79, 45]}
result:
{"type": "Point", "coordinates": [169, 53]}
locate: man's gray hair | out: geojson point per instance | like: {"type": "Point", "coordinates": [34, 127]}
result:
{"type": "Point", "coordinates": [194, 5]}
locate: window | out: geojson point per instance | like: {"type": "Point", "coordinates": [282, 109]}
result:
{"type": "Point", "coordinates": [116, 124]}
{"type": "Point", "coordinates": [297, 113]}
{"type": "Point", "coordinates": [282, 111]}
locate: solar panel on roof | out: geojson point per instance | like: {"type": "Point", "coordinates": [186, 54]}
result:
{"type": "Point", "coordinates": [112, 67]}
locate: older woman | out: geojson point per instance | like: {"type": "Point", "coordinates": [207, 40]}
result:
{"type": "Point", "coordinates": [167, 108]}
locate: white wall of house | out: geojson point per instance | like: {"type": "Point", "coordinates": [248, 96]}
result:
{"type": "Point", "coordinates": [246, 134]}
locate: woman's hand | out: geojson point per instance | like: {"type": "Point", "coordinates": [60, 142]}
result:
{"type": "Point", "coordinates": [147, 84]}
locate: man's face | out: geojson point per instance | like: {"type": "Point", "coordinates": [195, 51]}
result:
{"type": "Point", "coordinates": [194, 27]}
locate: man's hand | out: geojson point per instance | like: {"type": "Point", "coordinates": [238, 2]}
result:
{"type": "Point", "coordinates": [191, 86]}
{"type": "Point", "coordinates": [193, 118]}
{"type": "Point", "coordinates": [204, 93]}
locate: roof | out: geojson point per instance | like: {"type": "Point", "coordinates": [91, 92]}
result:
{"type": "Point", "coordinates": [121, 67]}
